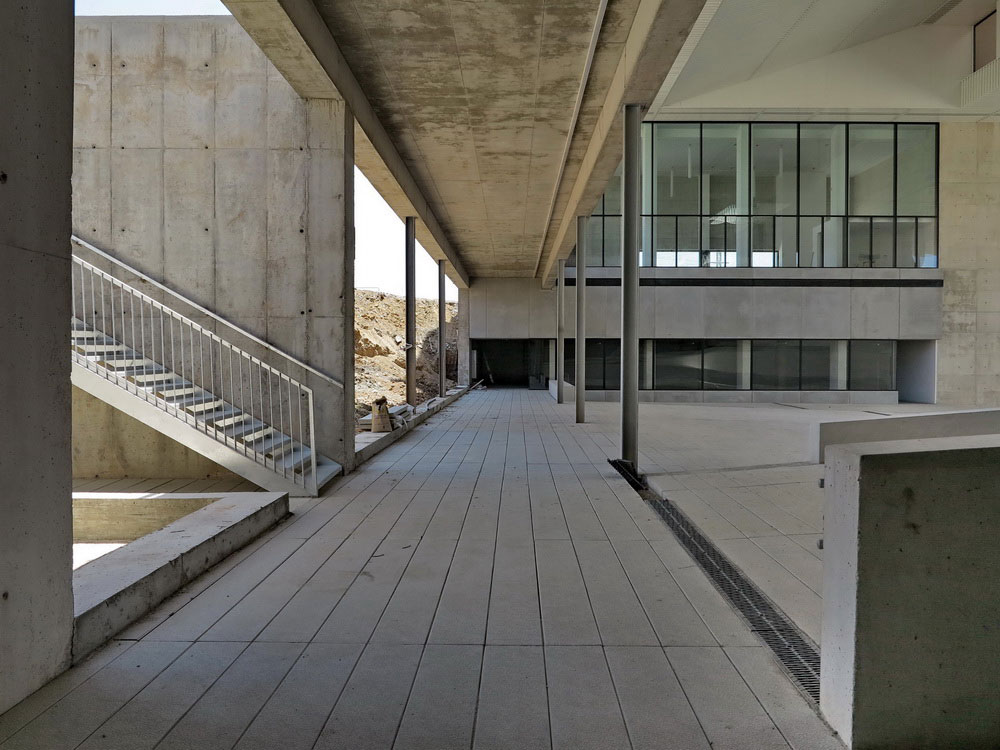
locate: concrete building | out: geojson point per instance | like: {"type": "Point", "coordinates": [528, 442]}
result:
{"type": "Point", "coordinates": [779, 215]}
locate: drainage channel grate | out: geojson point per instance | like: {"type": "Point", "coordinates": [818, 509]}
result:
{"type": "Point", "coordinates": [795, 653]}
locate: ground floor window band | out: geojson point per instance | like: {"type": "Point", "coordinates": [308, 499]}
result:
{"type": "Point", "coordinates": [743, 364]}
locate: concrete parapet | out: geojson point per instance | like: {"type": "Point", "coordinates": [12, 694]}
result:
{"type": "Point", "coordinates": [911, 591]}
{"type": "Point", "coordinates": [920, 426]}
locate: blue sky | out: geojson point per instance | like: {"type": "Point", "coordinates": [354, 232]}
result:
{"type": "Point", "coordinates": [378, 231]}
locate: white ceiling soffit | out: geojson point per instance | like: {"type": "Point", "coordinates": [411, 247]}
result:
{"type": "Point", "coordinates": [749, 38]}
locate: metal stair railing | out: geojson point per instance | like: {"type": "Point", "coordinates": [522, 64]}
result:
{"type": "Point", "coordinates": [150, 350]}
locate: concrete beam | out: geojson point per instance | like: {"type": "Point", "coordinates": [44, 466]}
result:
{"type": "Point", "coordinates": [657, 33]}
{"type": "Point", "coordinates": [297, 40]}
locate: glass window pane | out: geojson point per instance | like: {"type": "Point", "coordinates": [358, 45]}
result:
{"type": "Point", "coordinates": [713, 242]}
{"type": "Point", "coordinates": [810, 242]}
{"type": "Point", "coordinates": [721, 365]}
{"type": "Point", "coordinates": [906, 243]}
{"type": "Point", "coordinates": [612, 364]}
{"type": "Point", "coordinates": [677, 364]}
{"type": "Point", "coordinates": [725, 169]}
{"type": "Point", "coordinates": [927, 243]}
{"type": "Point", "coordinates": [833, 242]}
{"type": "Point", "coordinates": [882, 243]}
{"type": "Point", "coordinates": [775, 169]}
{"type": "Point", "coordinates": [859, 247]}
{"type": "Point", "coordinates": [916, 172]}
{"type": "Point", "coordinates": [985, 42]}
{"type": "Point", "coordinates": [595, 241]}
{"type": "Point", "coordinates": [873, 365]}
{"type": "Point", "coordinates": [775, 365]}
{"type": "Point", "coordinates": [738, 239]}
{"type": "Point", "coordinates": [613, 193]}
{"type": "Point", "coordinates": [665, 237]}
{"type": "Point", "coordinates": [647, 168]}
{"type": "Point", "coordinates": [824, 365]}
{"type": "Point", "coordinates": [594, 367]}
{"type": "Point", "coordinates": [646, 248]}
{"type": "Point", "coordinates": [871, 165]}
{"type": "Point", "coordinates": [821, 169]}
{"type": "Point", "coordinates": [688, 245]}
{"type": "Point", "coordinates": [613, 240]}
{"type": "Point", "coordinates": [569, 361]}
{"type": "Point", "coordinates": [786, 231]}
{"type": "Point", "coordinates": [677, 158]}
{"type": "Point", "coordinates": [762, 242]}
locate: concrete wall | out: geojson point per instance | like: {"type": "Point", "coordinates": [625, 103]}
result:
{"type": "Point", "coordinates": [36, 596]}
{"type": "Point", "coordinates": [969, 352]}
{"type": "Point", "coordinates": [911, 588]}
{"type": "Point", "coordinates": [520, 308]}
{"type": "Point", "coordinates": [196, 162]}
{"type": "Point", "coordinates": [108, 443]}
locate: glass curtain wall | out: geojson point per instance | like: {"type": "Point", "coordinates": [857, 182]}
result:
{"type": "Point", "coordinates": [780, 195]}
{"type": "Point", "coordinates": [743, 364]}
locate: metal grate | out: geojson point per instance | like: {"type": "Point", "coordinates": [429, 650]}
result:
{"type": "Point", "coordinates": [794, 651]}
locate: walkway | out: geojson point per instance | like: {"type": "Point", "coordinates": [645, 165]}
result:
{"type": "Point", "coordinates": [486, 582]}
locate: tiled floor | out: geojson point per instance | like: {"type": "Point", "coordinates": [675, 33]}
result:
{"type": "Point", "coordinates": [488, 582]}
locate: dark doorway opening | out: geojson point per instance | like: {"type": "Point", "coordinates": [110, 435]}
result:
{"type": "Point", "coordinates": [512, 362]}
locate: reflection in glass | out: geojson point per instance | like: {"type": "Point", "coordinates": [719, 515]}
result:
{"type": "Point", "coordinates": [612, 364]}
{"type": "Point", "coordinates": [677, 364]}
{"type": "Point", "coordinates": [785, 231]}
{"type": "Point", "coordinates": [725, 168]}
{"type": "Point", "coordinates": [775, 168]}
{"type": "Point", "coordinates": [665, 240]}
{"type": "Point", "coordinates": [762, 242]}
{"type": "Point", "coordinates": [594, 365]}
{"type": "Point", "coordinates": [613, 240]}
{"type": "Point", "coordinates": [871, 165]}
{"type": "Point", "coordinates": [677, 172]}
{"type": "Point", "coordinates": [613, 193]}
{"type": "Point", "coordinates": [688, 247]}
{"type": "Point", "coordinates": [569, 360]}
{"type": "Point", "coordinates": [859, 242]}
{"type": "Point", "coordinates": [821, 169]}
{"type": "Point", "coordinates": [595, 241]}
{"type": "Point", "coordinates": [906, 243]}
{"type": "Point", "coordinates": [721, 371]}
{"type": "Point", "coordinates": [775, 365]}
{"type": "Point", "coordinates": [646, 246]}
{"type": "Point", "coordinates": [882, 243]}
{"type": "Point", "coordinates": [916, 173]}
{"type": "Point", "coordinates": [873, 366]}
{"type": "Point", "coordinates": [810, 242]}
{"type": "Point", "coordinates": [927, 243]}
{"type": "Point", "coordinates": [824, 365]}
{"type": "Point", "coordinates": [833, 242]}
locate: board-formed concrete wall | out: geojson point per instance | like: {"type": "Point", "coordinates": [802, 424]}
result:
{"type": "Point", "coordinates": [36, 535]}
{"type": "Point", "coordinates": [128, 448]}
{"type": "Point", "coordinates": [196, 162]}
{"type": "Point", "coordinates": [969, 352]}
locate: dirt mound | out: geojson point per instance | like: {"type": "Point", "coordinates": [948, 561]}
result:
{"type": "Point", "coordinates": [380, 353]}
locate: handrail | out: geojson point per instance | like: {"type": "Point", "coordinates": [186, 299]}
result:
{"type": "Point", "coordinates": [205, 311]}
{"type": "Point", "coordinates": [125, 320]}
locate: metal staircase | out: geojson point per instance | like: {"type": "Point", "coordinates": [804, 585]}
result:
{"type": "Point", "coordinates": [182, 379]}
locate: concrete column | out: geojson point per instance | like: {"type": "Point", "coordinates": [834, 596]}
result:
{"type": "Point", "coordinates": [560, 332]}
{"type": "Point", "coordinates": [630, 287]}
{"type": "Point", "coordinates": [911, 591]}
{"type": "Point", "coordinates": [442, 337]}
{"type": "Point", "coordinates": [36, 158]}
{"type": "Point", "coordinates": [411, 310]}
{"type": "Point", "coordinates": [580, 360]}
{"type": "Point", "coordinates": [464, 365]}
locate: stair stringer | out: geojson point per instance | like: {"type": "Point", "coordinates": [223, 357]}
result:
{"type": "Point", "coordinates": [152, 416]}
